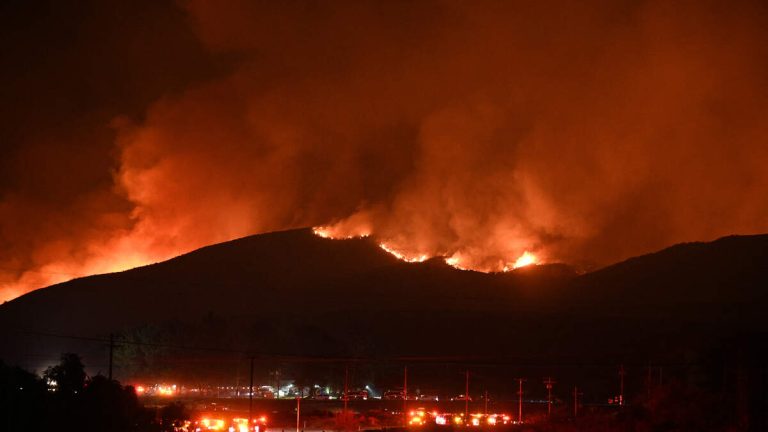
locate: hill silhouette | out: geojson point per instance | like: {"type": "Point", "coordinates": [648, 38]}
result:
{"type": "Point", "coordinates": [294, 293]}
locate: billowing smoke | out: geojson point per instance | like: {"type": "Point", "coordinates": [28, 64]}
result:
{"type": "Point", "coordinates": [584, 133]}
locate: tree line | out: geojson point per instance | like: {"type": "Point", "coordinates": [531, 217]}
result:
{"type": "Point", "coordinates": [64, 397]}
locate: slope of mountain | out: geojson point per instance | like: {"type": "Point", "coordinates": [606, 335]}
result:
{"type": "Point", "coordinates": [293, 271]}
{"type": "Point", "coordinates": [722, 281]}
{"type": "Point", "coordinates": [293, 292]}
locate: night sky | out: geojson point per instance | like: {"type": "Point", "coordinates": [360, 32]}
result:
{"type": "Point", "coordinates": [581, 132]}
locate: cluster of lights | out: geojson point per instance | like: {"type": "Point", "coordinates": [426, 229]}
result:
{"type": "Point", "coordinates": [157, 390]}
{"type": "Point", "coordinates": [166, 390]}
{"type": "Point", "coordinates": [417, 418]}
{"type": "Point", "coordinates": [211, 424]}
{"type": "Point", "coordinates": [420, 418]}
{"type": "Point", "coordinates": [264, 391]}
{"type": "Point", "coordinates": [238, 424]}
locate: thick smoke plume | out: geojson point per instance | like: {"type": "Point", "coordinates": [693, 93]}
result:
{"type": "Point", "coordinates": [584, 133]}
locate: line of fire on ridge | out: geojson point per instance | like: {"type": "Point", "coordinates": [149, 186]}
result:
{"type": "Point", "coordinates": [526, 259]}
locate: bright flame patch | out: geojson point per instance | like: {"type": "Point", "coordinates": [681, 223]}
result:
{"type": "Point", "coordinates": [336, 234]}
{"type": "Point", "coordinates": [525, 259]}
{"type": "Point", "coordinates": [402, 256]}
{"type": "Point", "coordinates": [457, 260]}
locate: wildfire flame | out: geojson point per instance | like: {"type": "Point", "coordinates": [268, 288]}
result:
{"type": "Point", "coordinates": [232, 154]}
{"type": "Point", "coordinates": [337, 234]}
{"type": "Point", "coordinates": [402, 256]}
{"type": "Point", "coordinates": [457, 260]}
{"type": "Point", "coordinates": [525, 259]}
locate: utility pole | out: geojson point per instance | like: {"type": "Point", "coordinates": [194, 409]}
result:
{"type": "Point", "coordinates": [466, 398]}
{"type": "Point", "coordinates": [237, 381]}
{"type": "Point", "coordinates": [549, 382]}
{"type": "Point", "coordinates": [298, 412]}
{"type": "Point", "coordinates": [621, 384]}
{"type": "Point", "coordinates": [576, 401]}
{"type": "Point", "coordinates": [486, 402]}
{"type": "Point", "coordinates": [111, 351]}
{"type": "Point", "coordinates": [648, 382]}
{"type": "Point", "coordinates": [346, 384]}
{"type": "Point", "coordinates": [250, 397]}
{"type": "Point", "coordinates": [277, 376]}
{"type": "Point", "coordinates": [520, 401]}
{"type": "Point", "coordinates": [405, 396]}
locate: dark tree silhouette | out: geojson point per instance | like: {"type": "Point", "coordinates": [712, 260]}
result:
{"type": "Point", "coordinates": [75, 402]}
{"type": "Point", "coordinates": [108, 406]}
{"type": "Point", "coordinates": [22, 399]}
{"type": "Point", "coordinates": [173, 415]}
{"type": "Point", "coordinates": [68, 377]}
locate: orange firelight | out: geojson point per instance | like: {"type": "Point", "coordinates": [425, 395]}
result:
{"type": "Point", "coordinates": [525, 259]}
{"type": "Point", "coordinates": [336, 233]}
{"type": "Point", "coordinates": [401, 256]}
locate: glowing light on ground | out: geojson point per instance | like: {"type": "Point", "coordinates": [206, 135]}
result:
{"type": "Point", "coordinates": [212, 424]}
{"type": "Point", "coordinates": [166, 390]}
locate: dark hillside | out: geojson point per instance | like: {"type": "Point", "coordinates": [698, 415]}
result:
{"type": "Point", "coordinates": [295, 293]}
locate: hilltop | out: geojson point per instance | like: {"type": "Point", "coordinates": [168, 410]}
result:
{"type": "Point", "coordinates": [292, 292]}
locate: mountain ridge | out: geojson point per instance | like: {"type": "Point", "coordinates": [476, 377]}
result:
{"type": "Point", "coordinates": [353, 293]}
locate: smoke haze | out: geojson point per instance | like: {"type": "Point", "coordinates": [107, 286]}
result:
{"type": "Point", "coordinates": [584, 133]}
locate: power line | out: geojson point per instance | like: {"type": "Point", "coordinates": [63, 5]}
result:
{"type": "Point", "coordinates": [457, 360]}
{"type": "Point", "coordinates": [111, 350]}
